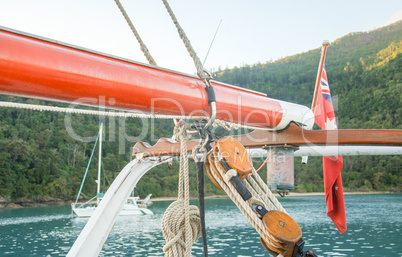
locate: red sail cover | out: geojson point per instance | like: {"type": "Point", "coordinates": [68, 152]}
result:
{"type": "Point", "coordinates": [44, 69]}
{"type": "Point", "coordinates": [332, 165]}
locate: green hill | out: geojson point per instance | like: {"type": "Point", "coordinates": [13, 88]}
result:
{"type": "Point", "coordinates": [353, 61]}
{"type": "Point", "coordinates": [40, 160]}
{"type": "Point", "coordinates": [365, 76]}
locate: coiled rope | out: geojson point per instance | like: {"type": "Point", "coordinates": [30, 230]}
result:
{"type": "Point", "coordinates": [181, 224]}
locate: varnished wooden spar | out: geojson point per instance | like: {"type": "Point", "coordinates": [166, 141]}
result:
{"type": "Point", "coordinates": [39, 68]}
{"type": "Point", "coordinates": [293, 135]}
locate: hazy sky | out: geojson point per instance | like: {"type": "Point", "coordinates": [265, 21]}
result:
{"type": "Point", "coordinates": [250, 32]}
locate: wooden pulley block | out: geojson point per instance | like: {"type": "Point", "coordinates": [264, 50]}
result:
{"type": "Point", "coordinates": [235, 155]}
{"type": "Point", "coordinates": [284, 229]}
{"type": "Point", "coordinates": [210, 166]}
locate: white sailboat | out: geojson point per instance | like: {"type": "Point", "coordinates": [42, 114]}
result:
{"type": "Point", "coordinates": [132, 206]}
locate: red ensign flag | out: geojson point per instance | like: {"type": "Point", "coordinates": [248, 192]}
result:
{"type": "Point", "coordinates": [332, 165]}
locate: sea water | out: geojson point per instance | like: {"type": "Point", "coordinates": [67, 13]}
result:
{"type": "Point", "coordinates": [374, 229]}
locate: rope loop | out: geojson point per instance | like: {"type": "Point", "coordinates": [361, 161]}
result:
{"type": "Point", "coordinates": [181, 223]}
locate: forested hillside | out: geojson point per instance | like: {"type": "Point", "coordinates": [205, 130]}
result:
{"type": "Point", "coordinates": [42, 158]}
{"type": "Point", "coordinates": [365, 76]}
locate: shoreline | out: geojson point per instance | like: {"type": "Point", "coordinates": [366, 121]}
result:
{"type": "Point", "coordinates": [291, 194]}
{"type": "Point", "coordinates": [57, 202]}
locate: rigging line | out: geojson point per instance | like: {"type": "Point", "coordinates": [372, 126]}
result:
{"type": "Point", "coordinates": [262, 165]}
{"type": "Point", "coordinates": [36, 107]}
{"type": "Point", "coordinates": [137, 35]}
{"type": "Point", "coordinates": [213, 39]}
{"type": "Point", "coordinates": [205, 76]}
{"type": "Point", "coordinates": [198, 65]}
{"type": "Point", "coordinates": [86, 172]}
{"type": "Point", "coordinates": [202, 73]}
{"type": "Point", "coordinates": [143, 47]}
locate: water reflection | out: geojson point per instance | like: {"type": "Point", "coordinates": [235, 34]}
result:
{"type": "Point", "coordinates": [374, 229]}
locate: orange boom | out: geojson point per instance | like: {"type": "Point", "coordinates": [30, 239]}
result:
{"type": "Point", "coordinates": [40, 68]}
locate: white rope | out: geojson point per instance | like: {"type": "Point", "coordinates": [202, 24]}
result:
{"type": "Point", "coordinates": [227, 125]}
{"type": "Point", "coordinates": [143, 47]}
{"type": "Point", "coordinates": [243, 206]}
{"type": "Point", "coordinates": [181, 223]}
{"type": "Point", "coordinates": [261, 194]}
{"type": "Point", "coordinates": [198, 65]}
{"type": "Point", "coordinates": [268, 204]}
{"type": "Point", "coordinates": [35, 107]}
{"type": "Point", "coordinates": [267, 192]}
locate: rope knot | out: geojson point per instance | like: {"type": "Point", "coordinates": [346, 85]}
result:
{"type": "Point", "coordinates": [179, 237]}
{"type": "Point", "coordinates": [180, 131]}
{"type": "Point", "coordinates": [181, 223]}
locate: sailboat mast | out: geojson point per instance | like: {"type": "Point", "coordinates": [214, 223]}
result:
{"type": "Point", "coordinates": [99, 162]}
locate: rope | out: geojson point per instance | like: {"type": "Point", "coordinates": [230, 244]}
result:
{"type": "Point", "coordinates": [261, 195]}
{"type": "Point", "coordinates": [226, 125]}
{"type": "Point", "coordinates": [266, 160]}
{"type": "Point", "coordinates": [243, 206]}
{"type": "Point", "coordinates": [186, 41]}
{"type": "Point", "coordinates": [268, 193]}
{"type": "Point", "coordinates": [36, 107]}
{"type": "Point", "coordinates": [181, 224]}
{"type": "Point", "coordinates": [143, 47]}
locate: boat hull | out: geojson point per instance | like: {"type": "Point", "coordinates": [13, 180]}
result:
{"type": "Point", "coordinates": [129, 209]}
{"type": "Point", "coordinates": [88, 211]}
